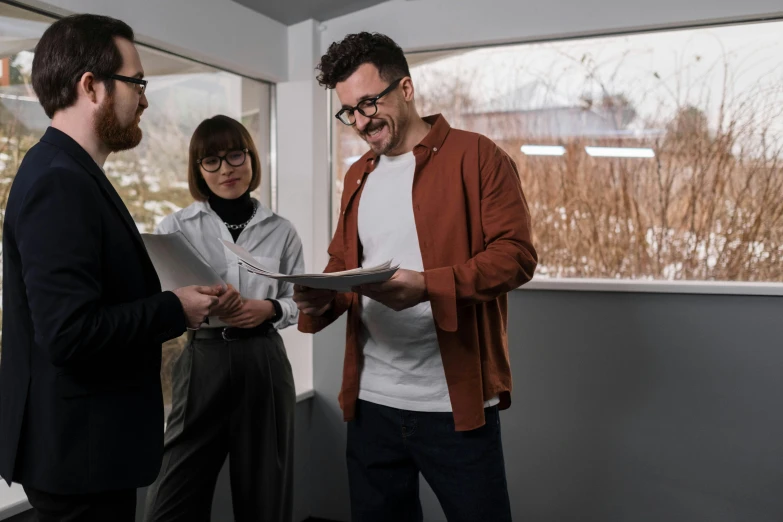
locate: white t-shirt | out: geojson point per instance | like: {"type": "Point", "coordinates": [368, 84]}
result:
{"type": "Point", "coordinates": [402, 362]}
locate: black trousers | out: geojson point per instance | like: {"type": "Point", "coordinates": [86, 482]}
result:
{"type": "Point", "coordinates": [117, 506]}
{"type": "Point", "coordinates": [234, 398]}
{"type": "Point", "coordinates": [388, 449]}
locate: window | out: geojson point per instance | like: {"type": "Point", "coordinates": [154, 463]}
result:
{"type": "Point", "coordinates": [152, 178]}
{"type": "Point", "coordinates": [655, 156]}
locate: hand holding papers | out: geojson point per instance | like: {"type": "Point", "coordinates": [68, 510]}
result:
{"type": "Point", "coordinates": [182, 270]}
{"type": "Point", "coordinates": [338, 281]}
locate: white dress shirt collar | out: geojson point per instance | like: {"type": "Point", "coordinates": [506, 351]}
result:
{"type": "Point", "coordinates": [199, 207]}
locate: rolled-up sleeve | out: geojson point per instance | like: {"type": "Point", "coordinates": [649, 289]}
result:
{"type": "Point", "coordinates": [509, 259]}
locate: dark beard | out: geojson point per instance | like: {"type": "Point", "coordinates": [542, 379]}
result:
{"type": "Point", "coordinates": [398, 127]}
{"type": "Point", "coordinates": [111, 132]}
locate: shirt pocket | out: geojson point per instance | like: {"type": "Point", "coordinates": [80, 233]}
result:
{"type": "Point", "coordinates": [271, 264]}
{"type": "Point", "coordinates": [255, 286]}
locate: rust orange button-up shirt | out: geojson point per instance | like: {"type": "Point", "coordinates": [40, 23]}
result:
{"type": "Point", "coordinates": [474, 233]}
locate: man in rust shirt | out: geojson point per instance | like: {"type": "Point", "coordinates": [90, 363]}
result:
{"type": "Point", "coordinates": [426, 360]}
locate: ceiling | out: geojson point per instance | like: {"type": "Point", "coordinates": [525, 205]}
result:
{"type": "Point", "coordinates": [291, 12]}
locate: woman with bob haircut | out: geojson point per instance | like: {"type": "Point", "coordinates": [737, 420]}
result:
{"type": "Point", "coordinates": [232, 387]}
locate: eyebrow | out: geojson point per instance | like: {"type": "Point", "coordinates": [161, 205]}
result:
{"type": "Point", "coordinates": [363, 98]}
{"type": "Point", "coordinates": [139, 75]}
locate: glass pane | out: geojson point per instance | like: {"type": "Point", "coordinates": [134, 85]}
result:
{"type": "Point", "coordinates": [649, 156]}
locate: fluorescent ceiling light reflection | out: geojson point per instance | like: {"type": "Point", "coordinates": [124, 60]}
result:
{"type": "Point", "coordinates": [543, 150]}
{"type": "Point", "coordinates": [619, 152]}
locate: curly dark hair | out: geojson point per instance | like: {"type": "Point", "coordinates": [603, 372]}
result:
{"type": "Point", "coordinates": [343, 58]}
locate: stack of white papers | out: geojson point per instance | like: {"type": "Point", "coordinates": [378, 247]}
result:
{"type": "Point", "coordinates": [339, 281]}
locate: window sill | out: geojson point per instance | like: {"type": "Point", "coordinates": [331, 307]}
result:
{"type": "Point", "coordinates": [656, 287]}
{"type": "Point", "coordinates": [304, 395]}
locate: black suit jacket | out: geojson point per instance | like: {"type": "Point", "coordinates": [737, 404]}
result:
{"type": "Point", "coordinates": [81, 409]}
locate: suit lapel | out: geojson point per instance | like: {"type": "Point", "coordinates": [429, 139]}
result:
{"type": "Point", "coordinates": [119, 205]}
{"type": "Point", "coordinates": [66, 143]}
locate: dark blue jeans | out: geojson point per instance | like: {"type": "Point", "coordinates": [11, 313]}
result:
{"type": "Point", "coordinates": [388, 448]}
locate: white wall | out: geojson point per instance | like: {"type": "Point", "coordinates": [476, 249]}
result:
{"type": "Point", "coordinates": [219, 32]}
{"type": "Point", "coordinates": [438, 24]}
{"type": "Point", "coordinates": [302, 166]}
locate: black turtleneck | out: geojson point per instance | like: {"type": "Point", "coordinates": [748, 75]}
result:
{"type": "Point", "coordinates": [233, 211]}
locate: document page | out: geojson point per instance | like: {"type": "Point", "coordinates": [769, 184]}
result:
{"type": "Point", "coordinates": [177, 262]}
{"type": "Point", "coordinates": [339, 281]}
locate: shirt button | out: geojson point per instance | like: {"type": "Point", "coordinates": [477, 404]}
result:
{"type": "Point", "coordinates": [434, 149]}
{"type": "Point", "coordinates": [358, 181]}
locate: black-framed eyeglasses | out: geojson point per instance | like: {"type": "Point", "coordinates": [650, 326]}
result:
{"type": "Point", "coordinates": [235, 158]}
{"type": "Point", "coordinates": [141, 84]}
{"type": "Point", "coordinates": [367, 107]}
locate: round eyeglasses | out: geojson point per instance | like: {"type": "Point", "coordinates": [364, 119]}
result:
{"type": "Point", "coordinates": [235, 158]}
{"type": "Point", "coordinates": [367, 107]}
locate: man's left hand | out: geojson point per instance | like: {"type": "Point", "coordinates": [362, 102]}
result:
{"type": "Point", "coordinates": [405, 289]}
{"type": "Point", "coordinates": [252, 313]}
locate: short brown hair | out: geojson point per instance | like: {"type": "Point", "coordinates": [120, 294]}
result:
{"type": "Point", "coordinates": [215, 134]}
{"type": "Point", "coordinates": [343, 58]}
{"type": "Point", "coordinates": [71, 47]}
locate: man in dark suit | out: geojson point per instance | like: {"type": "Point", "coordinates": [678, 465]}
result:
{"type": "Point", "coordinates": [81, 410]}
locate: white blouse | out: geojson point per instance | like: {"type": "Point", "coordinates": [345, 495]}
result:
{"type": "Point", "coordinates": [271, 239]}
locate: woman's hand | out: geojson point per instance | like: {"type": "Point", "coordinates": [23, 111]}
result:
{"type": "Point", "coordinates": [230, 303]}
{"type": "Point", "coordinates": [252, 313]}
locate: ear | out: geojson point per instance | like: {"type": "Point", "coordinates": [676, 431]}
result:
{"type": "Point", "coordinates": [89, 86]}
{"type": "Point", "coordinates": [407, 88]}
